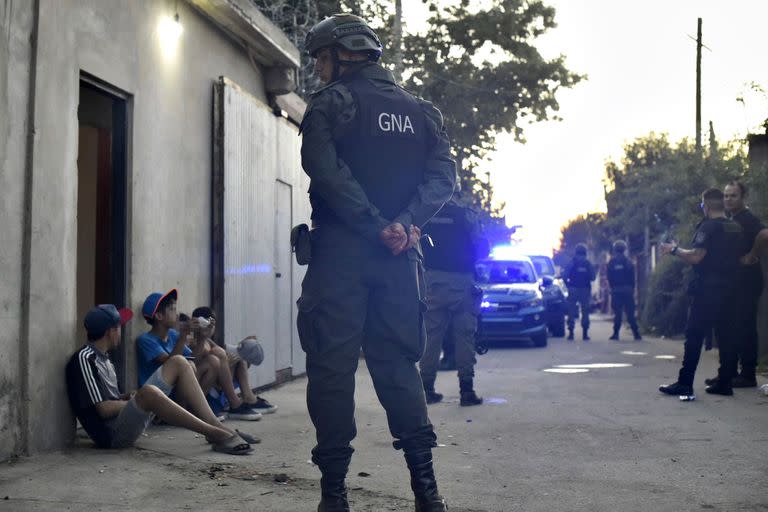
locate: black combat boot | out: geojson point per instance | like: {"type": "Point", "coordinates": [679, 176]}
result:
{"type": "Point", "coordinates": [570, 335]}
{"type": "Point", "coordinates": [468, 395]}
{"type": "Point", "coordinates": [423, 482]}
{"type": "Point", "coordinates": [432, 396]}
{"type": "Point", "coordinates": [334, 494]}
{"type": "Point", "coordinates": [585, 334]}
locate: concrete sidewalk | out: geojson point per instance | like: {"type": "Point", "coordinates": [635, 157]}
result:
{"type": "Point", "coordinates": [604, 440]}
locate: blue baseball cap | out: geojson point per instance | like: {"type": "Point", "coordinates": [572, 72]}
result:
{"type": "Point", "coordinates": [153, 300]}
{"type": "Point", "coordinates": [103, 317]}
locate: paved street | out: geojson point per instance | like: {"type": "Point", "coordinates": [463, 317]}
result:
{"type": "Point", "coordinates": [601, 440]}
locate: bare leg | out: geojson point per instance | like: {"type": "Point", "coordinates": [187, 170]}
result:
{"type": "Point", "coordinates": [241, 372]}
{"type": "Point", "coordinates": [208, 372]}
{"type": "Point", "coordinates": [179, 374]}
{"type": "Point", "coordinates": [151, 399]}
{"type": "Point", "coordinates": [225, 378]}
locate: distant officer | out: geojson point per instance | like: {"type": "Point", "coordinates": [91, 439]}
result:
{"type": "Point", "coordinates": [715, 252]}
{"type": "Point", "coordinates": [453, 299]}
{"type": "Point", "coordinates": [750, 284]}
{"type": "Point", "coordinates": [621, 278]}
{"type": "Point", "coordinates": [578, 276]}
{"type": "Point", "coordinates": [380, 168]}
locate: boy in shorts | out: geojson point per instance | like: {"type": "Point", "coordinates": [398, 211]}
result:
{"type": "Point", "coordinates": [116, 420]}
{"type": "Point", "coordinates": [162, 341]}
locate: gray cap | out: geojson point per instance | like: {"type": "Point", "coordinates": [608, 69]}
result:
{"type": "Point", "coordinates": [250, 350]}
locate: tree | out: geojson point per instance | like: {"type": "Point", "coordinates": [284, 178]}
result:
{"type": "Point", "coordinates": [479, 66]}
{"type": "Point", "coordinates": [590, 230]}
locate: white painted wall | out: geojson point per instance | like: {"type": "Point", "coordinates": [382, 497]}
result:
{"type": "Point", "coordinates": [169, 168]}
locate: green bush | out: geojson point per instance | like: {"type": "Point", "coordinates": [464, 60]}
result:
{"type": "Point", "coordinates": [666, 300]}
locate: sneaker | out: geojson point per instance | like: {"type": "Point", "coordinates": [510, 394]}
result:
{"type": "Point", "coordinates": [433, 397]}
{"type": "Point", "coordinates": [469, 398]}
{"type": "Point", "coordinates": [262, 406]}
{"type": "Point", "coordinates": [221, 416]}
{"type": "Point", "coordinates": [741, 381]}
{"type": "Point", "coordinates": [676, 389]}
{"type": "Point", "coordinates": [718, 389]}
{"type": "Point", "coordinates": [712, 381]}
{"type": "Point", "coordinates": [244, 412]}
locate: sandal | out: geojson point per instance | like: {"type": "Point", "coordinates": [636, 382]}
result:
{"type": "Point", "coordinates": [248, 438]}
{"type": "Point", "coordinates": [234, 445]}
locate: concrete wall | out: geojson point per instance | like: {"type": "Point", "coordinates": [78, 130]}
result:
{"type": "Point", "coordinates": [16, 21]}
{"type": "Point", "coordinates": [169, 170]}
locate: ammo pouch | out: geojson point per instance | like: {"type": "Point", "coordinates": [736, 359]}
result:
{"type": "Point", "coordinates": [301, 245]}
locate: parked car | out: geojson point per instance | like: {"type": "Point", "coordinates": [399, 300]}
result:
{"type": "Point", "coordinates": [513, 303]}
{"type": "Point", "coordinates": [555, 294]}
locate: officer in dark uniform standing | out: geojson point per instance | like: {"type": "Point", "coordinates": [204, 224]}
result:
{"type": "Point", "coordinates": [380, 168]}
{"type": "Point", "coordinates": [453, 298]}
{"type": "Point", "coordinates": [715, 253]}
{"type": "Point", "coordinates": [750, 284]}
{"type": "Point", "coordinates": [578, 276]}
{"type": "Point", "coordinates": [621, 278]}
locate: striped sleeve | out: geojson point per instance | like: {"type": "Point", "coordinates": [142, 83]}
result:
{"type": "Point", "coordinates": [90, 376]}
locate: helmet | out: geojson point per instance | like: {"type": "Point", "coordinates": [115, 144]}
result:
{"type": "Point", "coordinates": [346, 30]}
{"type": "Point", "coordinates": [619, 246]}
{"type": "Point", "coordinates": [581, 249]}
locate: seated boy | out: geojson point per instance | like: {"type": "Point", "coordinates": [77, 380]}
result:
{"type": "Point", "coordinates": [115, 420]}
{"type": "Point", "coordinates": [216, 365]}
{"type": "Point", "coordinates": [163, 342]}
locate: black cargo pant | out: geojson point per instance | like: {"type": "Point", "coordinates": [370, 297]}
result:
{"type": "Point", "coordinates": [623, 303]}
{"type": "Point", "coordinates": [709, 309]}
{"type": "Point", "coordinates": [357, 295]}
{"type": "Point", "coordinates": [746, 303]}
{"type": "Point", "coordinates": [453, 305]}
{"type": "Point", "coordinates": [578, 298]}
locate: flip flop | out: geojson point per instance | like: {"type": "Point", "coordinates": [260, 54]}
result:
{"type": "Point", "coordinates": [233, 445]}
{"type": "Point", "coordinates": [248, 438]}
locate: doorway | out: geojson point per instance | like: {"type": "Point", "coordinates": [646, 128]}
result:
{"type": "Point", "coordinates": [101, 204]}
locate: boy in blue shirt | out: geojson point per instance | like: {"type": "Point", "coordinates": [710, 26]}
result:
{"type": "Point", "coordinates": [162, 342]}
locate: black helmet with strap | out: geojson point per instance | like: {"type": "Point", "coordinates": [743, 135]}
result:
{"type": "Point", "coordinates": [346, 31]}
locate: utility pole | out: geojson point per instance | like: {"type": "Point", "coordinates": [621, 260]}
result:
{"type": "Point", "coordinates": [698, 89]}
{"type": "Point", "coordinates": [398, 40]}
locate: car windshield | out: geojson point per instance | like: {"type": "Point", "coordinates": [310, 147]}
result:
{"type": "Point", "coordinates": [544, 266]}
{"type": "Point", "coordinates": [505, 272]}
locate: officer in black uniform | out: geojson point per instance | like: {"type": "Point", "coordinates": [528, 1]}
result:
{"type": "Point", "coordinates": [578, 276]}
{"type": "Point", "coordinates": [380, 168]}
{"type": "Point", "coordinates": [750, 284]}
{"type": "Point", "coordinates": [453, 298]}
{"type": "Point", "coordinates": [715, 253]}
{"type": "Point", "coordinates": [621, 278]}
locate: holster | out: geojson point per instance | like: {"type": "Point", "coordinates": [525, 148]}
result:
{"type": "Point", "coordinates": [301, 245]}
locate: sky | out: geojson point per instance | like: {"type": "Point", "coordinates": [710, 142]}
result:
{"type": "Point", "coordinates": [641, 67]}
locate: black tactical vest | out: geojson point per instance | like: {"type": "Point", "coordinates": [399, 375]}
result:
{"type": "Point", "coordinates": [451, 233]}
{"type": "Point", "coordinates": [620, 272]}
{"type": "Point", "coordinates": [580, 274]}
{"type": "Point", "coordinates": [385, 145]}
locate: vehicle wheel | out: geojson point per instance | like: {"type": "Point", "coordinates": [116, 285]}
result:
{"type": "Point", "coordinates": [557, 329]}
{"type": "Point", "coordinates": [540, 340]}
